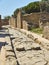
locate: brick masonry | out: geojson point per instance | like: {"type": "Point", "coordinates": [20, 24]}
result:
{"type": "Point", "coordinates": [19, 19]}
{"type": "Point", "coordinates": [30, 20]}
{"type": "Point", "coordinates": [12, 22]}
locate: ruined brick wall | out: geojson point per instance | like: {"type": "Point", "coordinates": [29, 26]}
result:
{"type": "Point", "coordinates": [5, 21]}
{"type": "Point", "coordinates": [29, 20]}
{"type": "Point", "coordinates": [44, 20]}
{"type": "Point", "coordinates": [35, 19]}
{"type": "Point", "coordinates": [13, 22]}
{"type": "Point", "coordinates": [25, 25]}
{"type": "Point", "coordinates": [19, 19]}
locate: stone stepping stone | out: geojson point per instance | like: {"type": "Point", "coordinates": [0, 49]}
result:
{"type": "Point", "coordinates": [7, 39]}
{"type": "Point", "coordinates": [11, 62]}
{"type": "Point", "coordinates": [20, 48]}
{"type": "Point", "coordinates": [8, 48]}
{"type": "Point", "coordinates": [36, 46]}
{"type": "Point", "coordinates": [8, 53]}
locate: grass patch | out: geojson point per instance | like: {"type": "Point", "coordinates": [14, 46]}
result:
{"type": "Point", "coordinates": [37, 30]}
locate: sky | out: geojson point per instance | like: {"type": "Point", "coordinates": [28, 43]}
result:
{"type": "Point", "coordinates": [7, 7]}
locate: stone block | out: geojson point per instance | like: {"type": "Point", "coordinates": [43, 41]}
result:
{"type": "Point", "coordinates": [13, 22]}
{"type": "Point", "coordinates": [8, 48]}
{"type": "Point", "coordinates": [8, 53]}
{"type": "Point", "coordinates": [20, 48]}
{"type": "Point", "coordinates": [46, 32]}
{"type": "Point", "coordinates": [19, 19]}
{"type": "Point", "coordinates": [25, 25]}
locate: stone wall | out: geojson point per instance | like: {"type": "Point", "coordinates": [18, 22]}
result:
{"type": "Point", "coordinates": [28, 21]}
{"type": "Point", "coordinates": [31, 20]}
{"type": "Point", "coordinates": [19, 19]}
{"type": "Point", "coordinates": [33, 17]}
{"type": "Point", "coordinates": [44, 20]}
{"type": "Point", "coordinates": [46, 32]}
{"type": "Point", "coordinates": [12, 22]}
{"type": "Point", "coordinates": [5, 21]}
{"type": "Point", "coordinates": [37, 19]}
{"type": "Point", "coordinates": [25, 25]}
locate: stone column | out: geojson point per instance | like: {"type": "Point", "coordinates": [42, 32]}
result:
{"type": "Point", "coordinates": [46, 32]}
{"type": "Point", "coordinates": [19, 19]}
{"type": "Point", "coordinates": [10, 22]}
{"type": "Point", "coordinates": [25, 25]}
{"type": "Point", "coordinates": [13, 22]}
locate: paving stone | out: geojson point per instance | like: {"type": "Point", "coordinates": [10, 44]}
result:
{"type": "Point", "coordinates": [8, 53]}
{"type": "Point", "coordinates": [48, 63]}
{"type": "Point", "coordinates": [36, 46]}
{"type": "Point", "coordinates": [41, 63]}
{"type": "Point", "coordinates": [8, 48]}
{"type": "Point", "coordinates": [8, 41]}
{"type": "Point", "coordinates": [24, 50]}
{"type": "Point", "coordinates": [11, 62]}
{"type": "Point", "coordinates": [20, 48]}
{"type": "Point", "coordinates": [46, 53]}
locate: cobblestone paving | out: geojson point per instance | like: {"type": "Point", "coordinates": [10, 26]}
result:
{"type": "Point", "coordinates": [19, 49]}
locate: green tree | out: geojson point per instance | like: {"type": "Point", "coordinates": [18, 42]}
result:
{"type": "Point", "coordinates": [44, 0]}
{"type": "Point", "coordinates": [31, 7]}
{"type": "Point", "coordinates": [6, 17]}
{"type": "Point", "coordinates": [15, 12]}
{"type": "Point", "coordinates": [45, 5]}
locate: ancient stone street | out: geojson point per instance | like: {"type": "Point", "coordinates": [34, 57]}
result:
{"type": "Point", "coordinates": [24, 34]}
{"type": "Point", "coordinates": [18, 48]}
